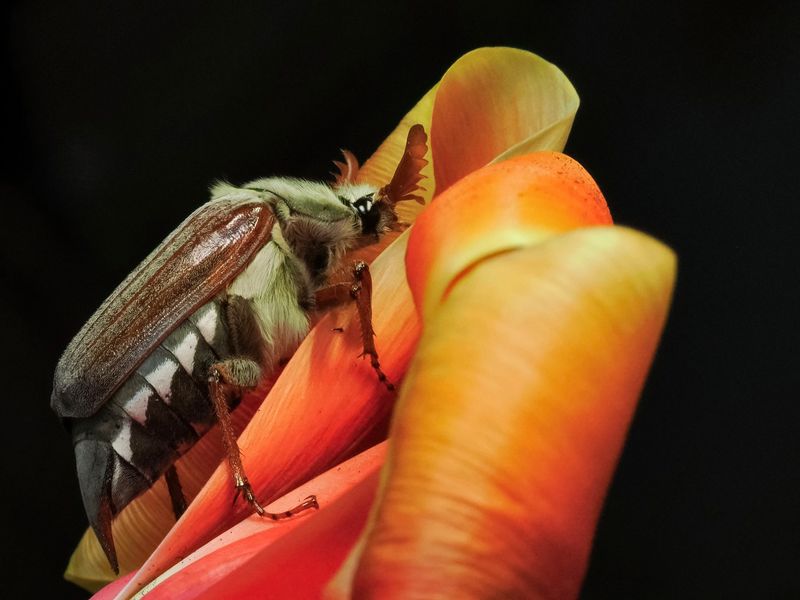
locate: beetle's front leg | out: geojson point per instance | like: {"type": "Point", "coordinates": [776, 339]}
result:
{"type": "Point", "coordinates": [360, 291]}
{"type": "Point", "coordinates": [226, 380]}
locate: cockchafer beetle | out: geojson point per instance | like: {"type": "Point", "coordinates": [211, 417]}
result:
{"type": "Point", "coordinates": [207, 315]}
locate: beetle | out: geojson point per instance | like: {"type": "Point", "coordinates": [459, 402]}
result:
{"type": "Point", "coordinates": [211, 311]}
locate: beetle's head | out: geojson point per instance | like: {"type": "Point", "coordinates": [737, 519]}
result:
{"type": "Point", "coordinates": [375, 207]}
{"type": "Point", "coordinates": [375, 215]}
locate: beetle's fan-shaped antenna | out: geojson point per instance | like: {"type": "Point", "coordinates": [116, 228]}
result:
{"type": "Point", "coordinates": [409, 171]}
{"type": "Point", "coordinates": [348, 170]}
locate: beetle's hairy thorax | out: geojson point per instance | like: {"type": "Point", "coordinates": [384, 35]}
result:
{"type": "Point", "coordinates": [317, 245]}
{"type": "Point", "coordinates": [280, 291]}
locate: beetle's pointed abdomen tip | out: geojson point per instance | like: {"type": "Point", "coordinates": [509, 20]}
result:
{"type": "Point", "coordinates": [95, 462]}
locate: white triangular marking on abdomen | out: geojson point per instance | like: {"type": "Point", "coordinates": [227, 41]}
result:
{"type": "Point", "coordinates": [122, 442]}
{"type": "Point", "coordinates": [161, 379]}
{"type": "Point", "coordinates": [207, 323]}
{"type": "Point", "coordinates": [185, 351]}
{"type": "Point", "coordinates": [136, 406]}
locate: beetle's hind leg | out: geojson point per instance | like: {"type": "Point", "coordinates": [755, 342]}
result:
{"type": "Point", "coordinates": [226, 381]}
{"type": "Point", "coordinates": [176, 497]}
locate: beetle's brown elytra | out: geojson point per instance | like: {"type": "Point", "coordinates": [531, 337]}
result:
{"type": "Point", "coordinates": [221, 303]}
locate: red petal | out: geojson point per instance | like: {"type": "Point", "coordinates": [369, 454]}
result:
{"type": "Point", "coordinates": [293, 558]}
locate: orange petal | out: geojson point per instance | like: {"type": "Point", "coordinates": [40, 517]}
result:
{"type": "Point", "coordinates": [496, 103]}
{"type": "Point", "coordinates": [292, 558]}
{"type": "Point", "coordinates": [504, 206]}
{"type": "Point", "coordinates": [512, 418]}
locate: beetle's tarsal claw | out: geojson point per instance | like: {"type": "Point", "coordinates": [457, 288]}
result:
{"type": "Point", "coordinates": [95, 462]}
{"type": "Point", "coordinates": [310, 502]}
{"type": "Point", "coordinates": [244, 488]}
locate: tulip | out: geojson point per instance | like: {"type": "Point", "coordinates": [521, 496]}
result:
{"type": "Point", "coordinates": [326, 403]}
{"type": "Point", "coordinates": [513, 412]}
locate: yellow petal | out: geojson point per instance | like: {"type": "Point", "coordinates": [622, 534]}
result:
{"type": "Point", "coordinates": [491, 104]}
{"type": "Point", "coordinates": [496, 103]}
{"type": "Point", "coordinates": [512, 418]}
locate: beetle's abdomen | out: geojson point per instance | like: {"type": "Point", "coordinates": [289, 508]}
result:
{"type": "Point", "coordinates": [159, 412]}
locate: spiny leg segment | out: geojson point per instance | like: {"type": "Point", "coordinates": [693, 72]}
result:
{"type": "Point", "coordinates": [360, 291]}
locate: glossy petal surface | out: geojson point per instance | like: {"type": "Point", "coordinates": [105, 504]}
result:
{"type": "Point", "coordinates": [509, 429]}
{"type": "Point", "coordinates": [494, 104]}
{"type": "Point", "coordinates": [292, 558]}
{"type": "Point", "coordinates": [504, 206]}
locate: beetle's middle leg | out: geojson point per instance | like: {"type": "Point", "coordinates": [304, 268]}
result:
{"type": "Point", "coordinates": [360, 291]}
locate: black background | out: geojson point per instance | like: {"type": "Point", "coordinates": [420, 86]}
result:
{"type": "Point", "coordinates": [119, 116]}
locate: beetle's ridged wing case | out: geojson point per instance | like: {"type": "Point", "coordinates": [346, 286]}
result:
{"type": "Point", "coordinates": [196, 262]}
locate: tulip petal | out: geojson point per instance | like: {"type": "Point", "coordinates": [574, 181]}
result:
{"type": "Point", "coordinates": [491, 104]}
{"type": "Point", "coordinates": [507, 430]}
{"type": "Point", "coordinates": [494, 104]}
{"type": "Point", "coordinates": [111, 590]}
{"type": "Point", "coordinates": [504, 206]}
{"type": "Point", "coordinates": [292, 558]}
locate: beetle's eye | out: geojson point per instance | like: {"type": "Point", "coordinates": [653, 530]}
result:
{"type": "Point", "coordinates": [363, 205]}
{"type": "Point", "coordinates": [368, 212]}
